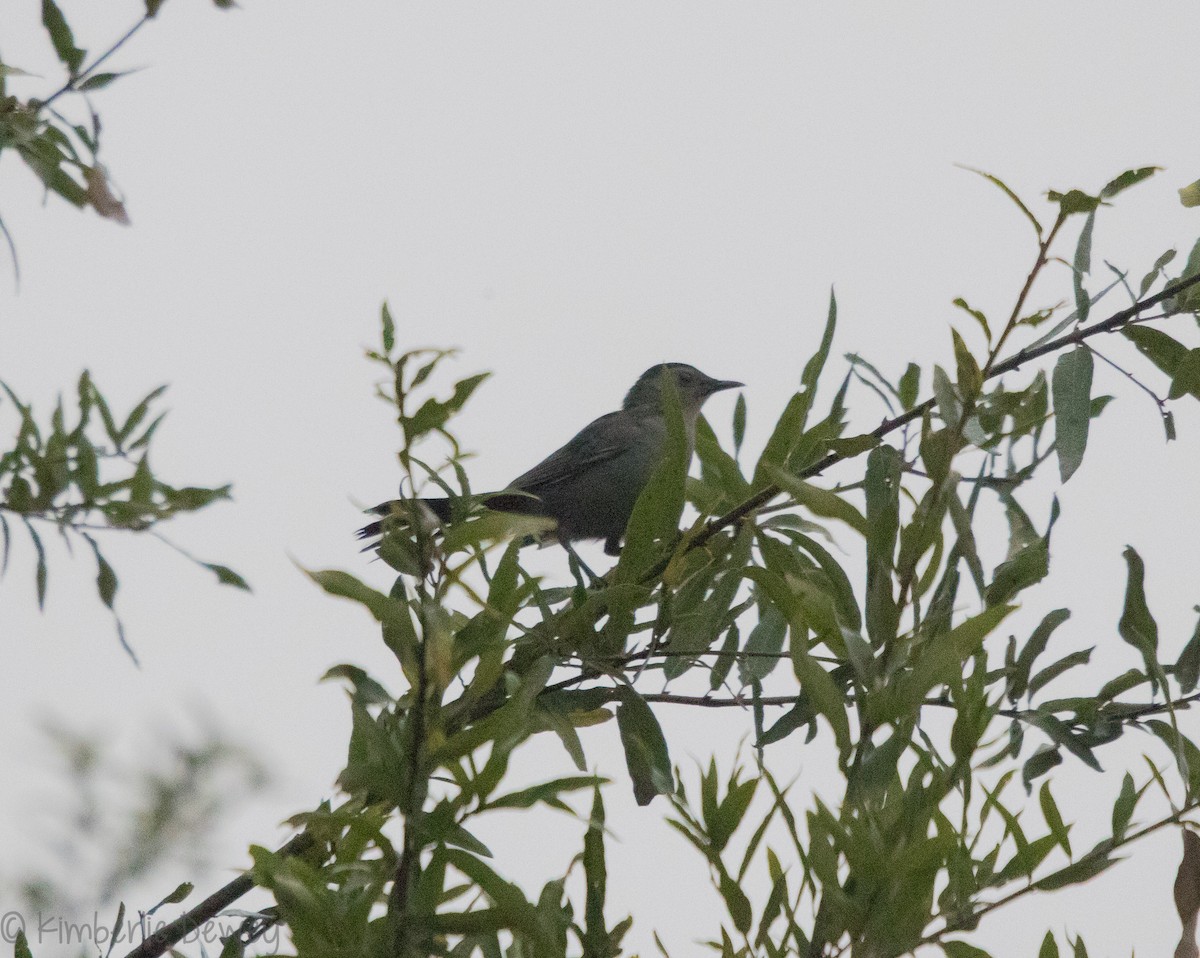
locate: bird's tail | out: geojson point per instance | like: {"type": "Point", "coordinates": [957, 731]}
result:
{"type": "Point", "coordinates": [441, 509]}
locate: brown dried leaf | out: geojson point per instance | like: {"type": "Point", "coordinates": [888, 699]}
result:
{"type": "Point", "coordinates": [101, 197]}
{"type": "Point", "coordinates": [1187, 895]}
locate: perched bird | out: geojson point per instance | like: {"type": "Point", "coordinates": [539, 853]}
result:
{"type": "Point", "coordinates": [590, 485]}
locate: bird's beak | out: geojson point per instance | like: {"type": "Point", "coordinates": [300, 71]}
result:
{"type": "Point", "coordinates": [721, 384]}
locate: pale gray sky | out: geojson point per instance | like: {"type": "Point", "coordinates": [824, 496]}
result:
{"type": "Point", "coordinates": [569, 192]}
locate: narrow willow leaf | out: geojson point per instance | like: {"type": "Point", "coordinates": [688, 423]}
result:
{"type": "Point", "coordinates": [595, 870]}
{"type": "Point", "coordinates": [1081, 871]}
{"type": "Point", "coordinates": [739, 422]}
{"type": "Point", "coordinates": [1186, 379]}
{"type": "Point", "coordinates": [820, 688]}
{"type": "Point", "coordinates": [812, 369]}
{"type": "Point", "coordinates": [1026, 568]}
{"type": "Point", "coordinates": [645, 747]}
{"type": "Point", "coordinates": [909, 386]}
{"type": "Point", "coordinates": [1071, 389]}
{"type": "Point", "coordinates": [1137, 625]}
{"type": "Point", "coordinates": [1083, 266]}
{"type": "Point", "coordinates": [1039, 764]}
{"type": "Point", "coordinates": [766, 639]}
{"type": "Point", "coordinates": [970, 378]}
{"type": "Point", "coordinates": [1053, 817]}
{"type": "Point", "coordinates": [389, 329]}
{"type": "Point", "coordinates": [1187, 894]}
{"type": "Point", "coordinates": [883, 523]}
{"type": "Point", "coordinates": [1187, 666]}
{"type": "Point", "coordinates": [1122, 811]}
{"type": "Point", "coordinates": [61, 37]}
{"type": "Point", "coordinates": [996, 181]}
{"type": "Point", "coordinates": [1127, 179]}
{"type": "Point", "coordinates": [949, 408]}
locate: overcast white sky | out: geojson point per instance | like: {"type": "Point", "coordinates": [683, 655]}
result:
{"type": "Point", "coordinates": [569, 192]}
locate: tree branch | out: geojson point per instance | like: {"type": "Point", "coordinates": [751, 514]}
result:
{"type": "Point", "coordinates": [162, 940]}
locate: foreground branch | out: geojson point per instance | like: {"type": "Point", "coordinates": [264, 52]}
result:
{"type": "Point", "coordinates": [173, 932]}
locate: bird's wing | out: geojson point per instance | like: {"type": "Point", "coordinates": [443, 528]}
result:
{"type": "Point", "coordinates": [599, 442]}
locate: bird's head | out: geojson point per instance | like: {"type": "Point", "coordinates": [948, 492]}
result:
{"type": "Point", "coordinates": [694, 387]}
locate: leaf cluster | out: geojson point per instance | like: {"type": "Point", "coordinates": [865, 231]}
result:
{"type": "Point", "coordinates": [85, 471]}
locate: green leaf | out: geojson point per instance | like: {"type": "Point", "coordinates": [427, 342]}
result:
{"type": "Point", "coordinates": [1054, 818]}
{"type": "Point", "coordinates": [41, 574]}
{"type": "Point", "coordinates": [1071, 389]}
{"type": "Point", "coordinates": [645, 747]}
{"type": "Point", "coordinates": [392, 613]}
{"type": "Point", "coordinates": [106, 578]}
{"type": "Point", "coordinates": [943, 658]}
{"type": "Point", "coordinates": [60, 35]}
{"type": "Point", "coordinates": [791, 424]}
{"type": "Point", "coordinates": [1039, 763]}
{"type": "Point", "coordinates": [1049, 947]}
{"type": "Point", "coordinates": [1122, 811]}
{"type": "Point", "coordinates": [996, 181]}
{"type": "Point", "coordinates": [818, 501]}
{"type": "Point", "coordinates": [766, 638]}
{"type": "Point", "coordinates": [547, 792]}
{"type": "Point", "coordinates": [179, 894]}
{"type": "Point", "coordinates": [1186, 379]}
{"type": "Point", "coordinates": [98, 81]}
{"type": "Point", "coordinates": [1026, 568]}
{"type": "Point", "coordinates": [970, 378]}
{"type": "Point", "coordinates": [813, 368]}
{"type": "Point", "coordinates": [949, 408]}
{"type": "Point", "coordinates": [1137, 625]}
{"type": "Point", "coordinates": [1074, 201]}
{"type": "Point", "coordinates": [1083, 266]}
{"type": "Point", "coordinates": [1187, 755]}
{"type": "Point", "coordinates": [1187, 666]}
{"type": "Point", "coordinates": [1189, 195]}
{"type": "Point", "coordinates": [978, 316]}
{"type": "Point", "coordinates": [737, 903]}
{"type": "Point", "coordinates": [1166, 353]}
{"type": "Point", "coordinates": [21, 945]}
{"type": "Point", "coordinates": [226, 576]}
{"type": "Point", "coordinates": [1081, 871]}
{"type": "Point", "coordinates": [960, 949]}
{"type": "Point", "coordinates": [820, 688]}
{"type": "Point", "coordinates": [909, 386]}
{"type": "Point", "coordinates": [389, 329]}
{"type": "Point", "coordinates": [152, 7]}
{"type": "Point", "coordinates": [1053, 671]}
{"type": "Point", "coordinates": [1127, 179]}
{"type": "Point", "coordinates": [595, 871]}
{"type": "Point", "coordinates": [882, 488]}
{"type": "Point", "coordinates": [739, 422]}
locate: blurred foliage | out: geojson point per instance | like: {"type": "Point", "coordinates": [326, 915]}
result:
{"type": "Point", "coordinates": [109, 825]}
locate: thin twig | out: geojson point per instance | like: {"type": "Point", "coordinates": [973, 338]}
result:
{"type": "Point", "coordinates": [70, 85]}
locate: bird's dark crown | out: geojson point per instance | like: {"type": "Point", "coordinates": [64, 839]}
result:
{"type": "Point", "coordinates": [694, 386]}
